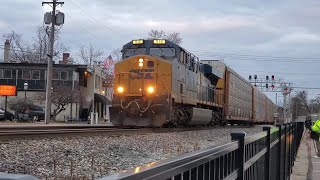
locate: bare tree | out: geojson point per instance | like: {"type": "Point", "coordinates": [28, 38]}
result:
{"type": "Point", "coordinates": [19, 105]}
{"type": "Point", "coordinates": [116, 53]}
{"type": "Point", "coordinates": [156, 34]}
{"type": "Point", "coordinates": [36, 50]}
{"type": "Point", "coordinates": [315, 105]}
{"type": "Point", "coordinates": [62, 98]}
{"type": "Point", "coordinates": [175, 37]}
{"type": "Point", "coordinates": [302, 97]}
{"type": "Point", "coordinates": [21, 50]}
{"type": "Point", "coordinates": [160, 34]}
{"type": "Point", "coordinates": [300, 104]}
{"type": "Point", "coordinates": [90, 54]}
{"type": "Point", "coordinates": [41, 44]}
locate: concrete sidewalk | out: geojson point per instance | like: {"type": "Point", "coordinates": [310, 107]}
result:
{"type": "Point", "coordinates": [306, 165]}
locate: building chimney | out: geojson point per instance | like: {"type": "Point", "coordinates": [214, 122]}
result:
{"type": "Point", "coordinates": [65, 57]}
{"type": "Point", "coordinates": [6, 52]}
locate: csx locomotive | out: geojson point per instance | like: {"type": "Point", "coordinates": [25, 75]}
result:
{"type": "Point", "coordinates": [160, 83]}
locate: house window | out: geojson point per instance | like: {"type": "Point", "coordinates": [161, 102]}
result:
{"type": "Point", "coordinates": [55, 75]}
{"type": "Point", "coordinates": [1, 73]}
{"type": "Point", "coordinates": [7, 74]}
{"type": "Point", "coordinates": [26, 74]}
{"type": "Point", "coordinates": [36, 74]}
{"type": "Point", "coordinates": [64, 75]}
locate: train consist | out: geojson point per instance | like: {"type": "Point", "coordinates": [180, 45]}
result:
{"type": "Point", "coordinates": [159, 83]}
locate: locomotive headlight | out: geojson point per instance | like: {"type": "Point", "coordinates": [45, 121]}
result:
{"type": "Point", "coordinates": [140, 60]}
{"type": "Point", "coordinates": [140, 64]}
{"type": "Point", "coordinates": [150, 89]}
{"type": "Point", "coordinates": [120, 89]}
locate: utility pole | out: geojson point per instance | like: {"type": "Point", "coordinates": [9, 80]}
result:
{"type": "Point", "coordinates": [94, 88]}
{"type": "Point", "coordinates": [53, 21]}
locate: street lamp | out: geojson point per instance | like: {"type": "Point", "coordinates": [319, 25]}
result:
{"type": "Point", "coordinates": [25, 88]}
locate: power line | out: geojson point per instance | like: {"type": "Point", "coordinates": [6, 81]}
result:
{"type": "Point", "coordinates": [267, 60]}
{"type": "Point", "coordinates": [257, 56]}
{"type": "Point", "coordinates": [83, 27]}
{"type": "Point", "coordinates": [235, 58]}
{"type": "Point", "coordinates": [92, 18]}
{"type": "Point", "coordinates": [306, 87]}
{"type": "Point", "coordinates": [293, 73]}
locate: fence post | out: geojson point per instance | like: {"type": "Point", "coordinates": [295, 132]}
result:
{"type": "Point", "coordinates": [240, 162]}
{"type": "Point", "coordinates": [290, 150]}
{"type": "Point", "coordinates": [280, 172]}
{"type": "Point", "coordinates": [267, 155]}
{"type": "Point", "coordinates": [285, 152]}
{"type": "Point", "coordinates": [294, 142]}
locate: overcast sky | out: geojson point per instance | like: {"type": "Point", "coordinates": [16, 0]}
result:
{"type": "Point", "coordinates": [252, 36]}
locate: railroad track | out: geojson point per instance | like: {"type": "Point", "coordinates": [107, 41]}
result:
{"type": "Point", "coordinates": [44, 131]}
{"type": "Point", "coordinates": [47, 131]}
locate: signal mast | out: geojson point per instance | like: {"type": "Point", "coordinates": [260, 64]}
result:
{"type": "Point", "coordinates": [272, 85]}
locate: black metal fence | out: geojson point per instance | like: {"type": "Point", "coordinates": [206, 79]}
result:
{"type": "Point", "coordinates": [267, 155]}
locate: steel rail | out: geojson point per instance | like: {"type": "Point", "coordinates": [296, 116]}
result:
{"type": "Point", "coordinates": [44, 131]}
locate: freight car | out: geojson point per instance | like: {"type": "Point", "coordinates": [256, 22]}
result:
{"type": "Point", "coordinates": [160, 83]}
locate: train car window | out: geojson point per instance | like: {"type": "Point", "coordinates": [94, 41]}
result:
{"type": "Point", "coordinates": [184, 58]}
{"type": "Point", "coordinates": [132, 52]}
{"type": "Point", "coordinates": [150, 64]}
{"type": "Point", "coordinates": [163, 52]}
{"type": "Point", "coordinates": [187, 59]}
{"type": "Point", "coordinates": [181, 57]}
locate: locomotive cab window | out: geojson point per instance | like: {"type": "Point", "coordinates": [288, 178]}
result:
{"type": "Point", "coordinates": [163, 52]}
{"type": "Point", "coordinates": [132, 52]}
{"type": "Point", "coordinates": [181, 57]}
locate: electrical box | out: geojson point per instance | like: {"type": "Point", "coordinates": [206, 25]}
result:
{"type": "Point", "coordinates": [47, 18]}
{"type": "Point", "coordinates": [59, 18]}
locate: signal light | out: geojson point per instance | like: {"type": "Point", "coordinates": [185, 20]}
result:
{"type": "Point", "coordinates": [272, 86]}
{"type": "Point", "coordinates": [267, 86]}
{"type": "Point", "coordinates": [272, 77]}
{"type": "Point", "coordinates": [267, 78]}
{"type": "Point", "coordinates": [250, 77]}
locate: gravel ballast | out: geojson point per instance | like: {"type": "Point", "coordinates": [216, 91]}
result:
{"type": "Point", "coordinates": [87, 157]}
